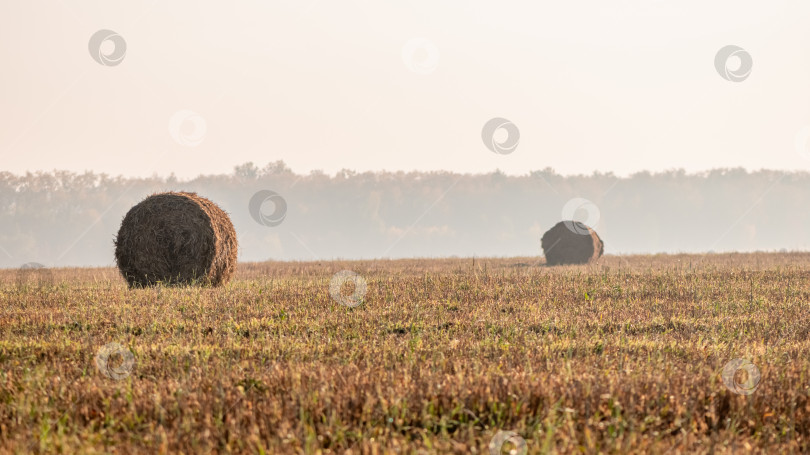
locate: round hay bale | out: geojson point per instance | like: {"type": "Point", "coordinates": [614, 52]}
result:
{"type": "Point", "coordinates": [571, 242]}
{"type": "Point", "coordinates": [176, 239]}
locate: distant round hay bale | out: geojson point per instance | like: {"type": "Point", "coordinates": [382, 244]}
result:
{"type": "Point", "coordinates": [571, 242]}
{"type": "Point", "coordinates": [176, 239]}
{"type": "Point", "coordinates": [33, 275]}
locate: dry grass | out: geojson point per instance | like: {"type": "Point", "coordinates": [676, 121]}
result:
{"type": "Point", "coordinates": [623, 356]}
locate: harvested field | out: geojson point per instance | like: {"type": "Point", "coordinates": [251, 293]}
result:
{"type": "Point", "coordinates": [621, 357]}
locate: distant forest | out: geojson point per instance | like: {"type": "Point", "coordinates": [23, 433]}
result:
{"type": "Point", "coordinates": [62, 218]}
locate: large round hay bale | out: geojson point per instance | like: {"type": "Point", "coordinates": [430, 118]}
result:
{"type": "Point", "coordinates": [571, 242]}
{"type": "Point", "coordinates": [176, 239]}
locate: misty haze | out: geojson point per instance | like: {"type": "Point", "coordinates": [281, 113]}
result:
{"type": "Point", "coordinates": [386, 228]}
{"type": "Point", "coordinates": [62, 219]}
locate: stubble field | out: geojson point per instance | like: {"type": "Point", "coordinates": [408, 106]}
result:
{"type": "Point", "coordinates": [439, 357]}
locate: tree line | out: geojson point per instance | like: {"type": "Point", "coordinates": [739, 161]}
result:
{"type": "Point", "coordinates": [63, 218]}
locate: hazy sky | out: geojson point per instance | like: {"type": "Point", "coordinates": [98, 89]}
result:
{"type": "Point", "coordinates": [618, 85]}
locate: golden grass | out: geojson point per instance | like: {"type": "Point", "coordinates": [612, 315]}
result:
{"type": "Point", "coordinates": [620, 357]}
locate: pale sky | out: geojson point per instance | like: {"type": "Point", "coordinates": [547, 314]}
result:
{"type": "Point", "coordinates": [613, 86]}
